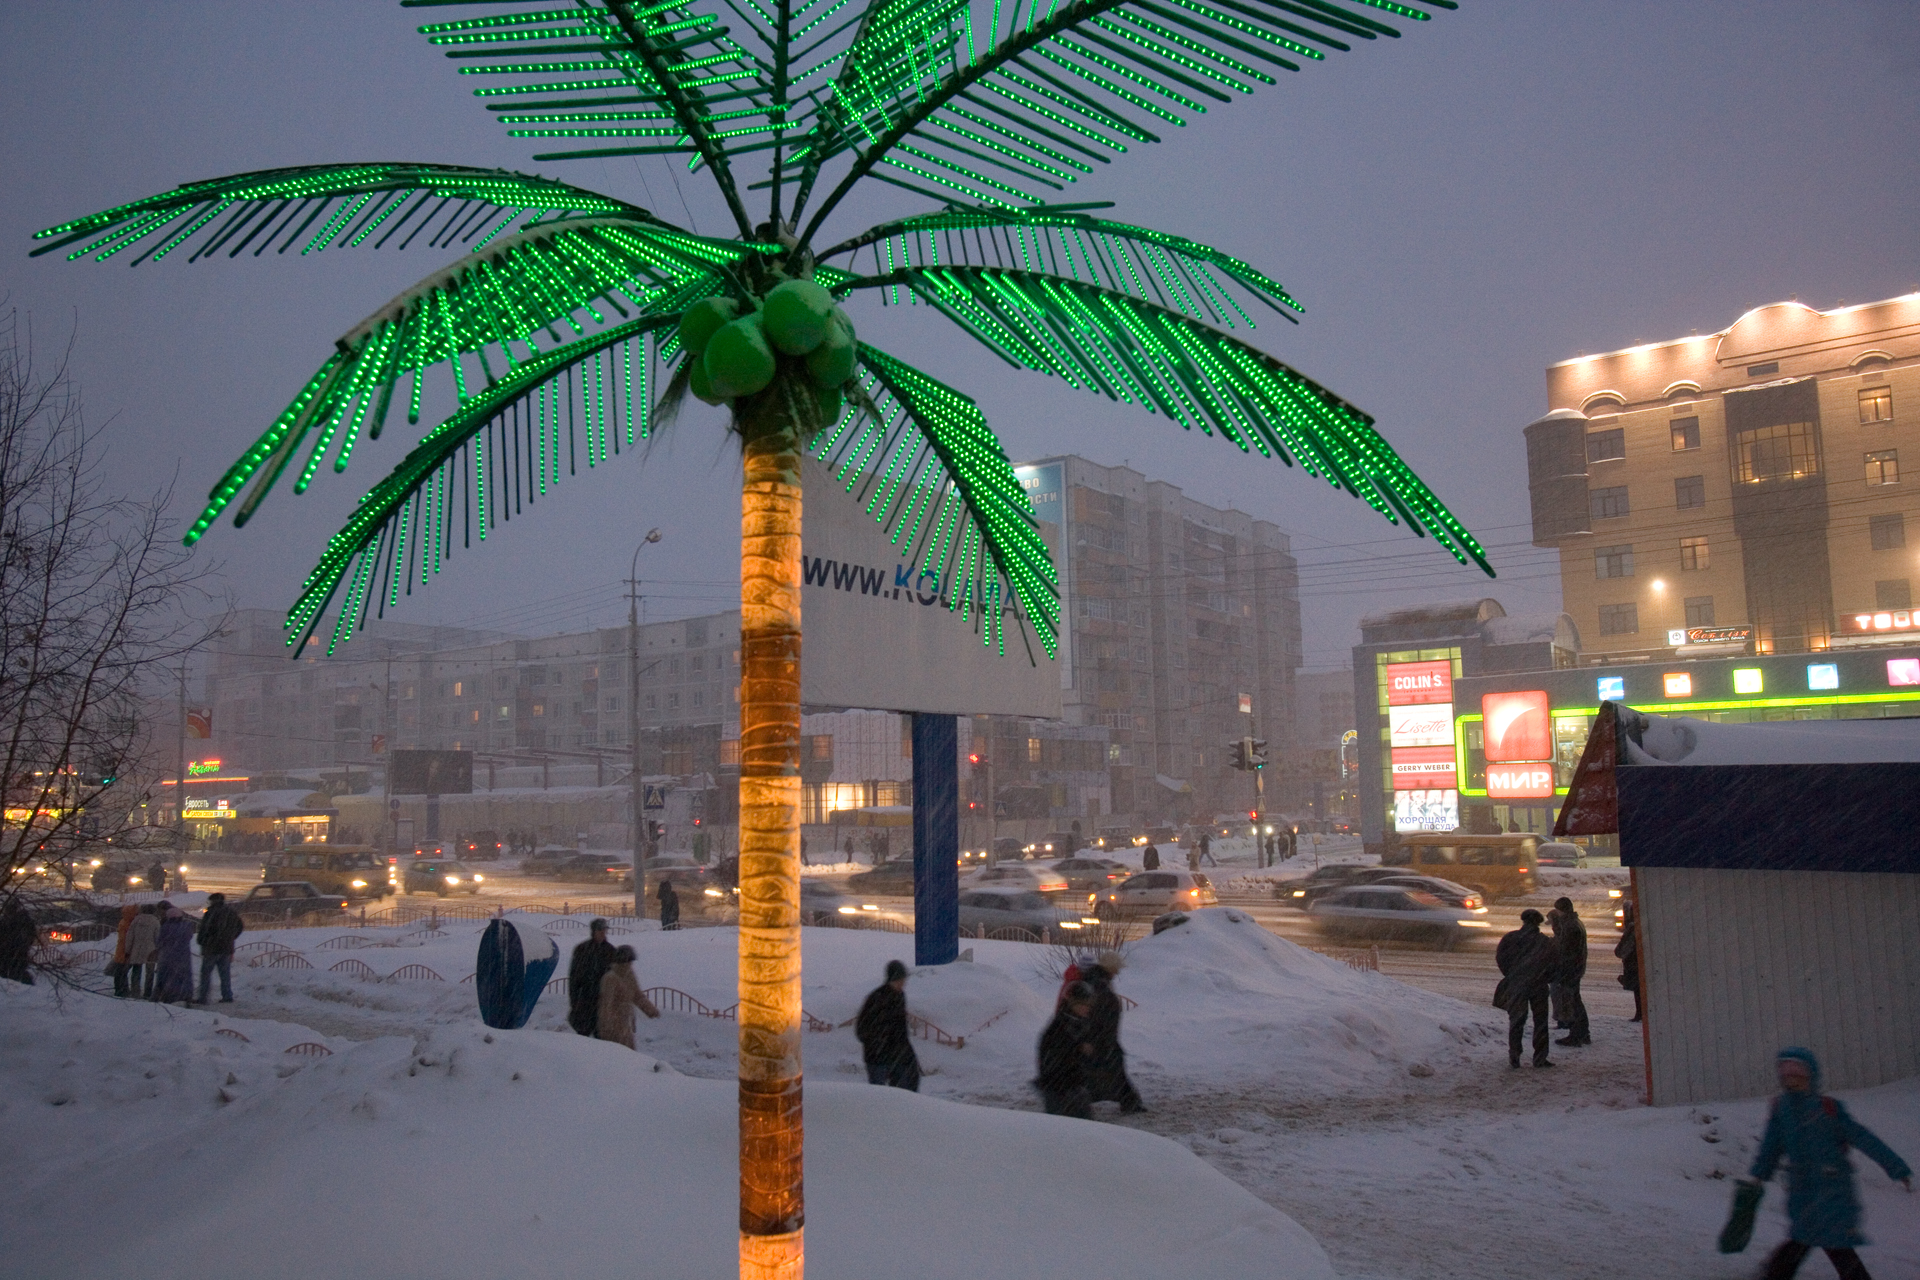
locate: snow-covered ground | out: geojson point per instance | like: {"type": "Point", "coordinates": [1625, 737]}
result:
{"type": "Point", "coordinates": [1380, 1116]}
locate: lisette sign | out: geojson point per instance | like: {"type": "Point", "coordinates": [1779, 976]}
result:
{"type": "Point", "coordinates": [1421, 726]}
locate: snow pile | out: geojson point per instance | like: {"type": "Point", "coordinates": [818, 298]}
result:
{"type": "Point", "coordinates": [1224, 1002]}
{"type": "Point", "coordinates": [468, 1152]}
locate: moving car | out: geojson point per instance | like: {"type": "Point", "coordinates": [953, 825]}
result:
{"type": "Point", "coordinates": [1393, 911]}
{"type": "Point", "coordinates": [1454, 895]}
{"type": "Point", "coordinates": [888, 878]}
{"type": "Point", "coordinates": [121, 877]}
{"type": "Point", "coordinates": [353, 871]}
{"type": "Point", "coordinates": [287, 900]}
{"type": "Point", "coordinates": [991, 909]}
{"type": "Point", "coordinates": [596, 868]}
{"type": "Point", "coordinates": [823, 902]}
{"type": "Point", "coordinates": [1038, 878]}
{"type": "Point", "coordinates": [1084, 874]}
{"type": "Point", "coordinates": [1324, 880]}
{"type": "Point", "coordinates": [1152, 892]}
{"type": "Point", "coordinates": [439, 876]}
{"type": "Point", "coordinates": [542, 861]}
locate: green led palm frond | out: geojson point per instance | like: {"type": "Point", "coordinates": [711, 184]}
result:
{"type": "Point", "coordinates": [536, 289]}
{"type": "Point", "coordinates": [491, 460]}
{"type": "Point", "coordinates": [332, 205]}
{"type": "Point", "coordinates": [1173, 271]}
{"type": "Point", "coordinates": [930, 471]}
{"type": "Point", "coordinates": [949, 93]}
{"type": "Point", "coordinates": [1134, 351]}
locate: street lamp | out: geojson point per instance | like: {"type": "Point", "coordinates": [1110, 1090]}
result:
{"type": "Point", "coordinates": [637, 791]}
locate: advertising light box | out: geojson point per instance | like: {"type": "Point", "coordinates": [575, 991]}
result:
{"type": "Point", "coordinates": [1426, 810]}
{"type": "Point", "coordinates": [1519, 781]}
{"type": "Point", "coordinates": [1421, 726]}
{"type": "Point", "coordinates": [1423, 769]}
{"type": "Point", "coordinates": [1519, 726]}
{"type": "Point", "coordinates": [1412, 683]}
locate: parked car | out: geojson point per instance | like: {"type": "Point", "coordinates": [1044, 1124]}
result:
{"type": "Point", "coordinates": [991, 909]}
{"type": "Point", "coordinates": [596, 868]}
{"type": "Point", "coordinates": [1085, 874]}
{"type": "Point", "coordinates": [438, 876]}
{"type": "Point", "coordinates": [288, 900]}
{"type": "Point", "coordinates": [71, 918]}
{"type": "Point", "coordinates": [543, 861]}
{"type": "Point", "coordinates": [1152, 892]}
{"type": "Point", "coordinates": [482, 846]}
{"type": "Point", "coordinates": [1324, 880]}
{"type": "Point", "coordinates": [352, 871]}
{"type": "Point", "coordinates": [1454, 895]}
{"type": "Point", "coordinates": [1555, 853]}
{"type": "Point", "coordinates": [1393, 911]}
{"type": "Point", "coordinates": [1040, 879]}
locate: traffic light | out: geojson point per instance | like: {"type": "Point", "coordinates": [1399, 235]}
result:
{"type": "Point", "coordinates": [976, 759]}
{"type": "Point", "coordinates": [1256, 753]}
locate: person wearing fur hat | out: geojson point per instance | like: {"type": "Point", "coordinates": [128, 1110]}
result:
{"type": "Point", "coordinates": [1107, 1069]}
{"type": "Point", "coordinates": [1813, 1133]}
{"type": "Point", "coordinates": [620, 995]}
{"type": "Point", "coordinates": [1066, 1047]}
{"type": "Point", "coordinates": [886, 1042]}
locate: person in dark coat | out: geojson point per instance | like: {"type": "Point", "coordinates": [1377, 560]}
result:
{"type": "Point", "coordinates": [886, 1042]}
{"type": "Point", "coordinates": [17, 936]}
{"type": "Point", "coordinates": [1628, 949]}
{"type": "Point", "coordinates": [1066, 1047]}
{"type": "Point", "coordinates": [590, 962]}
{"type": "Point", "coordinates": [1812, 1133]}
{"type": "Point", "coordinates": [173, 974]}
{"type": "Point", "coordinates": [157, 876]}
{"type": "Point", "coordinates": [1527, 960]}
{"type": "Point", "coordinates": [220, 928]}
{"type": "Point", "coordinates": [1206, 848]}
{"type": "Point", "coordinates": [1107, 1068]}
{"type": "Point", "coordinates": [669, 905]}
{"type": "Point", "coordinates": [1150, 859]}
{"type": "Point", "coordinates": [1570, 942]}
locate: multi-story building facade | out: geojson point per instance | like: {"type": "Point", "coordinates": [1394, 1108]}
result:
{"type": "Point", "coordinates": [1176, 611]}
{"type": "Point", "coordinates": [1740, 489]}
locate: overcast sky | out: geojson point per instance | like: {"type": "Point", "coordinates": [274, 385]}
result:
{"type": "Point", "coordinates": [1509, 185]}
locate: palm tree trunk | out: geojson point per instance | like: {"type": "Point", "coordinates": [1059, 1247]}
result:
{"type": "Point", "coordinates": [772, 1206]}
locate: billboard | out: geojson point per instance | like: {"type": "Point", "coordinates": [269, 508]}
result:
{"type": "Point", "coordinates": [1519, 726]}
{"type": "Point", "coordinates": [1428, 725]}
{"type": "Point", "coordinates": [1426, 810]}
{"type": "Point", "coordinates": [432, 773]}
{"type": "Point", "coordinates": [1520, 781]}
{"type": "Point", "coordinates": [880, 629]}
{"type": "Point", "coordinates": [1409, 683]}
{"type": "Point", "coordinates": [1423, 769]}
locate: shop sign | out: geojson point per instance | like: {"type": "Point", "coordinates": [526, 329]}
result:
{"type": "Point", "coordinates": [1426, 810]}
{"type": "Point", "coordinates": [1411, 683]}
{"type": "Point", "coordinates": [1421, 726]}
{"type": "Point", "coordinates": [1518, 726]}
{"type": "Point", "coordinates": [1519, 781]}
{"type": "Point", "coordinates": [1423, 768]}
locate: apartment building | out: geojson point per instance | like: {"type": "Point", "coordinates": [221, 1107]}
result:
{"type": "Point", "coordinates": [1739, 491]}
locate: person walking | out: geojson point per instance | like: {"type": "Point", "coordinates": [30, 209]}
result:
{"type": "Point", "coordinates": [173, 972]}
{"type": "Point", "coordinates": [589, 964]}
{"type": "Point", "coordinates": [220, 928]}
{"type": "Point", "coordinates": [1150, 859]}
{"type": "Point", "coordinates": [669, 905]}
{"type": "Point", "coordinates": [620, 995]}
{"type": "Point", "coordinates": [120, 965]}
{"type": "Point", "coordinates": [1813, 1133]}
{"type": "Point", "coordinates": [17, 936]}
{"type": "Point", "coordinates": [886, 1041]}
{"type": "Point", "coordinates": [1527, 960]}
{"type": "Point", "coordinates": [143, 951]}
{"type": "Point", "coordinates": [1570, 942]}
{"type": "Point", "coordinates": [1066, 1047]}
{"type": "Point", "coordinates": [1106, 1072]}
{"type": "Point", "coordinates": [1628, 949]}
{"type": "Point", "coordinates": [1206, 848]}
{"type": "Point", "coordinates": [157, 876]}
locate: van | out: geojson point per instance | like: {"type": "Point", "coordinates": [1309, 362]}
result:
{"type": "Point", "coordinates": [1494, 867]}
{"type": "Point", "coordinates": [349, 870]}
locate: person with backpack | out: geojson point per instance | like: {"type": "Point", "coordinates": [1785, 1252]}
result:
{"type": "Point", "coordinates": [1813, 1133]}
{"type": "Point", "coordinates": [220, 928]}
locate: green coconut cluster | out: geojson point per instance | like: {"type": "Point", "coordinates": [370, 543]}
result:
{"type": "Point", "coordinates": [737, 355]}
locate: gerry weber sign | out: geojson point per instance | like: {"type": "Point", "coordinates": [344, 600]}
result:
{"type": "Point", "coordinates": [881, 632]}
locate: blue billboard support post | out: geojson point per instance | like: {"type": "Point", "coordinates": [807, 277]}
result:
{"type": "Point", "coordinates": [936, 839]}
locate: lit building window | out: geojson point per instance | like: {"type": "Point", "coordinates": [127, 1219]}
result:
{"type": "Point", "coordinates": [1686, 434]}
{"type": "Point", "coordinates": [1607, 504]}
{"type": "Point", "coordinates": [1883, 466]}
{"type": "Point", "coordinates": [1613, 562]}
{"type": "Point", "coordinates": [1782, 452]}
{"type": "Point", "coordinates": [1699, 611]}
{"type": "Point", "coordinates": [1876, 404]}
{"type": "Point", "coordinates": [1693, 553]}
{"type": "Point", "coordinates": [1605, 446]}
{"type": "Point", "coordinates": [1887, 532]}
{"type": "Point", "coordinates": [1689, 492]}
{"type": "Point", "coordinates": [1619, 619]}
{"type": "Point", "coordinates": [1033, 751]}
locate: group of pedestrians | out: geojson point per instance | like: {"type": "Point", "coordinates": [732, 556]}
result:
{"type": "Point", "coordinates": [602, 989]}
{"type": "Point", "coordinates": [1540, 976]}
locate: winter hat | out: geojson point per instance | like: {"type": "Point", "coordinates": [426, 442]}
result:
{"type": "Point", "coordinates": [895, 971]}
{"type": "Point", "coordinates": [1530, 916]}
{"type": "Point", "coordinates": [1805, 1058]}
{"type": "Point", "coordinates": [1112, 961]}
{"type": "Point", "coordinates": [599, 925]}
{"type": "Point", "coordinates": [216, 899]}
{"type": "Point", "coordinates": [1563, 904]}
{"type": "Point", "coordinates": [623, 955]}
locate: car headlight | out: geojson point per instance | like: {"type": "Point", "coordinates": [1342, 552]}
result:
{"type": "Point", "coordinates": [869, 906]}
{"type": "Point", "coordinates": [1613, 893]}
{"type": "Point", "coordinates": [1069, 924]}
{"type": "Point", "coordinates": [1089, 919]}
{"type": "Point", "coordinates": [183, 868]}
{"type": "Point", "coordinates": [713, 893]}
{"type": "Point", "coordinates": [1299, 893]}
{"type": "Point", "coordinates": [133, 879]}
{"type": "Point", "coordinates": [849, 911]}
{"type": "Point", "coordinates": [359, 884]}
{"type": "Point", "coordinates": [1473, 924]}
{"type": "Point", "coordinates": [478, 879]}
{"type": "Point", "coordinates": [453, 879]}
{"type": "Point", "coordinates": [94, 863]}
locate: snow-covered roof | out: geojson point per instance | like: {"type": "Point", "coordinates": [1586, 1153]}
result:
{"type": "Point", "coordinates": [1680, 740]}
{"type": "Point", "coordinates": [1469, 612]}
{"type": "Point", "coordinates": [1530, 628]}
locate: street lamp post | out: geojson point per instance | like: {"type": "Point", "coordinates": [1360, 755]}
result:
{"type": "Point", "coordinates": [638, 791]}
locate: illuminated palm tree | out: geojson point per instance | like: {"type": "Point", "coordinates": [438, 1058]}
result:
{"type": "Point", "coordinates": [572, 321]}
